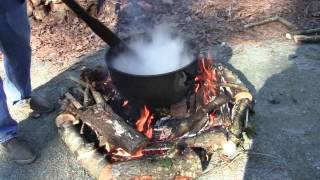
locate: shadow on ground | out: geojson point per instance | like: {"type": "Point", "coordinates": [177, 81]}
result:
{"type": "Point", "coordinates": [55, 161]}
{"type": "Point", "coordinates": [287, 117]}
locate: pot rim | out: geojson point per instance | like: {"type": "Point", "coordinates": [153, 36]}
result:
{"type": "Point", "coordinates": [109, 66]}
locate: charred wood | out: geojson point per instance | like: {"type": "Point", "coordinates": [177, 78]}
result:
{"type": "Point", "coordinates": [187, 165]}
{"type": "Point", "coordinates": [198, 119]}
{"type": "Point", "coordinates": [238, 116]}
{"type": "Point", "coordinates": [108, 124]}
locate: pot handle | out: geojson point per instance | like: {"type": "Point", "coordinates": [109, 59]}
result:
{"type": "Point", "coordinates": [95, 25]}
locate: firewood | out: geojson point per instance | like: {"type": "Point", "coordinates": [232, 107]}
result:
{"type": "Point", "coordinates": [187, 164]}
{"type": "Point", "coordinates": [96, 95]}
{"type": "Point", "coordinates": [210, 141]}
{"type": "Point", "coordinates": [290, 35]}
{"type": "Point", "coordinates": [238, 115]}
{"type": "Point", "coordinates": [185, 125]}
{"type": "Point", "coordinates": [306, 39]}
{"type": "Point", "coordinates": [93, 161]}
{"type": "Point", "coordinates": [108, 124]}
{"type": "Point", "coordinates": [73, 100]}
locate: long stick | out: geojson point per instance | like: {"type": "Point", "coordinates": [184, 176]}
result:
{"type": "Point", "coordinates": [100, 29]}
{"type": "Point", "coordinates": [306, 39]}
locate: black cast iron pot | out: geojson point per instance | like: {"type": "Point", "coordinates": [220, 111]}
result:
{"type": "Point", "coordinates": [157, 90]}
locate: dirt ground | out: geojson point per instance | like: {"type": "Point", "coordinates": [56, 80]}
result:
{"type": "Point", "coordinates": [282, 75]}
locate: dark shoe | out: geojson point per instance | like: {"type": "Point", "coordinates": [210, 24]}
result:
{"type": "Point", "coordinates": [18, 152]}
{"type": "Point", "coordinates": [35, 103]}
{"type": "Point", "coordinates": [40, 105]}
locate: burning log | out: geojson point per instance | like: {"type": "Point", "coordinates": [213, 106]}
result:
{"type": "Point", "coordinates": [108, 124]}
{"type": "Point", "coordinates": [197, 120]}
{"type": "Point", "coordinates": [210, 141]}
{"type": "Point", "coordinates": [187, 164]}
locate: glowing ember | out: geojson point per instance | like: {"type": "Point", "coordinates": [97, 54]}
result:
{"type": "Point", "coordinates": [212, 116]}
{"type": "Point", "coordinates": [207, 78]}
{"type": "Point", "coordinates": [143, 124]}
{"type": "Point", "coordinates": [119, 152]}
{"type": "Point", "coordinates": [125, 103]}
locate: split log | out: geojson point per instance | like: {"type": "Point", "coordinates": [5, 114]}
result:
{"type": "Point", "coordinates": [108, 124]}
{"type": "Point", "coordinates": [306, 39]}
{"type": "Point", "coordinates": [197, 120]}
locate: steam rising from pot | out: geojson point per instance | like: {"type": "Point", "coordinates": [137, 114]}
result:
{"type": "Point", "coordinates": [161, 54]}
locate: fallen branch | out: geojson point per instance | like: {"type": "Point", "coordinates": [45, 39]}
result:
{"type": "Point", "coordinates": [269, 20]}
{"type": "Point", "coordinates": [290, 35]}
{"type": "Point", "coordinates": [96, 95]}
{"type": "Point", "coordinates": [73, 100]}
{"type": "Point", "coordinates": [306, 39]}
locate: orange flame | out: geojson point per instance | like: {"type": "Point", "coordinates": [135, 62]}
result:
{"type": "Point", "coordinates": [143, 124]}
{"type": "Point", "coordinates": [119, 152]}
{"type": "Point", "coordinates": [207, 78]}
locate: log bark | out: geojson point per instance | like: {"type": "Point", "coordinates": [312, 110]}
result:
{"type": "Point", "coordinates": [93, 161]}
{"type": "Point", "coordinates": [210, 141]}
{"type": "Point", "coordinates": [306, 39]}
{"type": "Point", "coordinates": [108, 124]}
{"type": "Point", "coordinates": [196, 121]}
{"type": "Point", "coordinates": [238, 116]}
{"type": "Point", "coordinates": [187, 164]}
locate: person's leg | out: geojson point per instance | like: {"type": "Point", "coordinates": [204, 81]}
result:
{"type": "Point", "coordinates": [8, 127]}
{"type": "Point", "coordinates": [15, 42]}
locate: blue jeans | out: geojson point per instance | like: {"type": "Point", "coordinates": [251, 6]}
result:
{"type": "Point", "coordinates": [15, 46]}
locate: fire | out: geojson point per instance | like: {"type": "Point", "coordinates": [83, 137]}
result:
{"type": "Point", "coordinates": [119, 152]}
{"type": "Point", "coordinates": [143, 124]}
{"type": "Point", "coordinates": [125, 103]}
{"type": "Point", "coordinates": [207, 78]}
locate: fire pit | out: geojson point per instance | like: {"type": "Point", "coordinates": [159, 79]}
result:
{"type": "Point", "coordinates": [114, 139]}
{"type": "Point", "coordinates": [152, 125]}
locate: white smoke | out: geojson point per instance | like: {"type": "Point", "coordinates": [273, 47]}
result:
{"type": "Point", "coordinates": [162, 54]}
